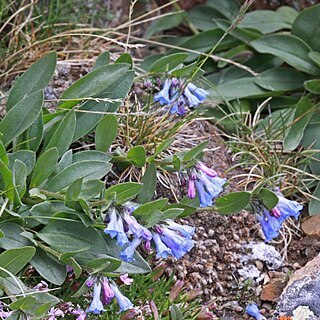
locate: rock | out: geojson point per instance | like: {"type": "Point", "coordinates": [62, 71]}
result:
{"type": "Point", "coordinates": [303, 289]}
{"type": "Point", "coordinates": [265, 253]}
{"type": "Point", "coordinates": [312, 226]}
{"type": "Point", "coordinates": [272, 291]}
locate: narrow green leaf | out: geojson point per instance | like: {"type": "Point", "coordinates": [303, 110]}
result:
{"type": "Point", "coordinates": [149, 181]}
{"type": "Point", "coordinates": [106, 132]}
{"type": "Point", "coordinates": [21, 116]}
{"type": "Point", "coordinates": [44, 167]}
{"type": "Point", "coordinates": [83, 169]}
{"type": "Point", "coordinates": [137, 156]}
{"type": "Point", "coordinates": [34, 79]}
{"type": "Point", "coordinates": [314, 205]}
{"type": "Point", "coordinates": [35, 133]}
{"type": "Point", "coordinates": [20, 177]}
{"type": "Point", "coordinates": [7, 177]}
{"type": "Point", "coordinates": [14, 260]}
{"type": "Point", "coordinates": [233, 202]}
{"type": "Point", "coordinates": [63, 135]}
{"type": "Point", "coordinates": [268, 198]}
{"type": "Point", "coordinates": [194, 152]}
{"type": "Point", "coordinates": [302, 116]}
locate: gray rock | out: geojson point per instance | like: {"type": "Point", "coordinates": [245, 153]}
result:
{"type": "Point", "coordinates": [303, 292]}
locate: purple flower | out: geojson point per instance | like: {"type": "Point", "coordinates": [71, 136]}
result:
{"type": "Point", "coordinates": [191, 187]}
{"type": "Point", "coordinates": [207, 183]}
{"type": "Point", "coordinates": [81, 314]}
{"type": "Point", "coordinates": [124, 302]}
{"type": "Point", "coordinates": [54, 313]}
{"type": "Point", "coordinates": [115, 228]}
{"type": "Point", "coordinates": [178, 244]}
{"type": "Point", "coordinates": [270, 225]}
{"type": "Point", "coordinates": [208, 171]}
{"type": "Point", "coordinates": [192, 99]}
{"type": "Point", "coordinates": [162, 250]}
{"type": "Point", "coordinates": [163, 95]}
{"type": "Point", "coordinates": [184, 230]}
{"type": "Point", "coordinates": [125, 279]}
{"type": "Point", "coordinates": [128, 252]}
{"type": "Point", "coordinates": [96, 306]}
{"type": "Point", "coordinates": [271, 221]}
{"type": "Point", "coordinates": [107, 293]}
{"type": "Point", "coordinates": [137, 229]}
{"type": "Point", "coordinates": [204, 196]}
{"type": "Point", "coordinates": [253, 310]}
{"type": "Point", "coordinates": [287, 208]}
{"type": "Point", "coordinates": [201, 94]}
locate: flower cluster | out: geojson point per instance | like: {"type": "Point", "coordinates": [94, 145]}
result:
{"type": "Point", "coordinates": [170, 238]}
{"type": "Point", "coordinates": [207, 183]}
{"type": "Point", "coordinates": [178, 96]}
{"type": "Point", "coordinates": [271, 221]}
{"type": "Point", "coordinates": [103, 293]}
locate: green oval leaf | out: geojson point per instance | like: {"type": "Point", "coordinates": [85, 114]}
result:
{"type": "Point", "coordinates": [281, 79]}
{"type": "Point", "coordinates": [83, 169]}
{"type": "Point", "coordinates": [233, 202]}
{"type": "Point", "coordinates": [44, 167]}
{"type": "Point", "coordinates": [48, 268]}
{"type": "Point", "coordinates": [15, 259]}
{"type": "Point", "coordinates": [302, 116]}
{"type": "Point", "coordinates": [290, 49]}
{"type": "Point", "coordinates": [106, 132]}
{"type": "Point", "coordinates": [307, 26]}
{"type": "Point", "coordinates": [265, 21]}
{"type": "Point", "coordinates": [21, 116]}
{"type": "Point", "coordinates": [149, 181]}
{"type": "Point", "coordinates": [34, 79]}
{"type": "Point", "coordinates": [313, 86]}
{"type": "Point", "coordinates": [93, 84]}
{"type": "Point", "coordinates": [168, 62]}
{"type": "Point", "coordinates": [268, 198]}
{"type": "Point", "coordinates": [63, 135]}
{"type": "Point", "coordinates": [137, 156]}
{"type": "Point", "coordinates": [123, 191]}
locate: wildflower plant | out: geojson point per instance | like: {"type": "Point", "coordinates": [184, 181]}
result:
{"type": "Point", "coordinates": [58, 208]}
